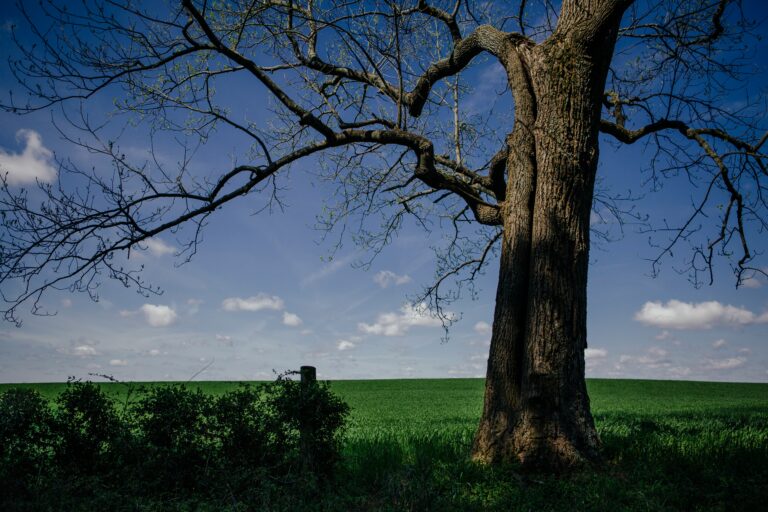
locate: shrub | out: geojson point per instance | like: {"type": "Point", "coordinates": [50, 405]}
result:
{"type": "Point", "coordinates": [25, 440]}
{"type": "Point", "coordinates": [244, 431]}
{"type": "Point", "coordinates": [174, 436]}
{"type": "Point", "coordinates": [254, 445]}
{"type": "Point", "coordinates": [311, 419]}
{"type": "Point", "coordinates": [86, 428]}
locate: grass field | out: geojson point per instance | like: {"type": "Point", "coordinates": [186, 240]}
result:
{"type": "Point", "coordinates": [668, 446]}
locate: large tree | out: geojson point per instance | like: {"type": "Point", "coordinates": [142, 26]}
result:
{"type": "Point", "coordinates": [372, 90]}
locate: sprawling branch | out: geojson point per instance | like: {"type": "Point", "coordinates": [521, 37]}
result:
{"type": "Point", "coordinates": [387, 98]}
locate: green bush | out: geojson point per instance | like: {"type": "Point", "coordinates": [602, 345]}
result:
{"type": "Point", "coordinates": [172, 427]}
{"type": "Point", "coordinates": [172, 443]}
{"type": "Point", "coordinates": [25, 440]}
{"type": "Point", "coordinates": [87, 430]}
{"type": "Point", "coordinates": [312, 419]}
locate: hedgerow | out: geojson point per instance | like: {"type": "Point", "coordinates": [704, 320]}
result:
{"type": "Point", "coordinates": [168, 444]}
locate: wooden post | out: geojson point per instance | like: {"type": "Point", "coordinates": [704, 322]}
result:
{"type": "Point", "coordinates": [308, 374]}
{"type": "Point", "coordinates": [308, 380]}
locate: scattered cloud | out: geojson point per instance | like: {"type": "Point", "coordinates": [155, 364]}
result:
{"type": "Point", "coordinates": [157, 247]}
{"type": "Point", "coordinates": [345, 345]}
{"type": "Point", "coordinates": [719, 343]}
{"type": "Point", "coordinates": [397, 324]}
{"type": "Point", "coordinates": [756, 280]}
{"type": "Point", "coordinates": [745, 350]}
{"type": "Point", "coordinates": [482, 328]}
{"type": "Point", "coordinates": [704, 315]}
{"type": "Point", "coordinates": [255, 303]}
{"type": "Point", "coordinates": [724, 364]}
{"type": "Point", "coordinates": [224, 339]}
{"type": "Point", "coordinates": [158, 315]}
{"type": "Point", "coordinates": [386, 278]}
{"type": "Point", "coordinates": [118, 362]}
{"type": "Point", "coordinates": [34, 163]}
{"type": "Point", "coordinates": [655, 357]}
{"type": "Point", "coordinates": [80, 350]}
{"type": "Point", "coordinates": [66, 303]}
{"type": "Point", "coordinates": [153, 352]}
{"type": "Point", "coordinates": [327, 270]}
{"type": "Point", "coordinates": [291, 319]}
{"type": "Point", "coordinates": [663, 335]}
{"type": "Point", "coordinates": [595, 353]}
{"type": "Point", "coordinates": [194, 306]}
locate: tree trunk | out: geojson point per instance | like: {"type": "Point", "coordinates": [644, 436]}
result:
{"type": "Point", "coordinates": [536, 408]}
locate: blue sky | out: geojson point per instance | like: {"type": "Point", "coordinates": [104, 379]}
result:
{"type": "Point", "coordinates": [261, 293]}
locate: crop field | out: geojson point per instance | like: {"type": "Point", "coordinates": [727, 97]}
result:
{"type": "Point", "coordinates": [667, 446]}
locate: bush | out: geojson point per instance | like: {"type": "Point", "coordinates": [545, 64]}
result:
{"type": "Point", "coordinates": [174, 435]}
{"type": "Point", "coordinates": [173, 443]}
{"type": "Point", "coordinates": [312, 420]}
{"type": "Point", "coordinates": [87, 430]}
{"type": "Point", "coordinates": [25, 440]}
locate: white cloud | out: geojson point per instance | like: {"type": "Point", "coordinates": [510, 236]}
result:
{"type": "Point", "coordinates": [82, 351]}
{"type": "Point", "coordinates": [224, 339]}
{"type": "Point", "coordinates": [704, 315]}
{"type": "Point", "coordinates": [397, 324]}
{"type": "Point", "coordinates": [387, 277]}
{"type": "Point", "coordinates": [482, 328]}
{"type": "Point", "coordinates": [719, 343]}
{"type": "Point", "coordinates": [595, 353]}
{"type": "Point", "coordinates": [154, 352]}
{"type": "Point", "coordinates": [255, 303]}
{"type": "Point", "coordinates": [751, 282]}
{"type": "Point", "coordinates": [157, 247]}
{"type": "Point", "coordinates": [291, 319]}
{"type": "Point", "coordinates": [656, 357]}
{"type": "Point", "coordinates": [66, 303]}
{"type": "Point", "coordinates": [724, 364]}
{"type": "Point", "coordinates": [345, 345]}
{"type": "Point", "coordinates": [35, 162]}
{"type": "Point", "coordinates": [663, 335]}
{"type": "Point", "coordinates": [158, 315]}
{"type": "Point", "coordinates": [118, 362]}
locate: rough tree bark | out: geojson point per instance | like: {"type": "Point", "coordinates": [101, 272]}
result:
{"type": "Point", "coordinates": [536, 407]}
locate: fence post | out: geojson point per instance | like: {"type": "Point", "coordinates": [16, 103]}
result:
{"type": "Point", "coordinates": [308, 374]}
{"type": "Point", "coordinates": [308, 380]}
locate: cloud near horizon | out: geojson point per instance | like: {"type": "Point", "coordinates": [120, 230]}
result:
{"type": "Point", "coordinates": [398, 324]}
{"type": "Point", "coordinates": [34, 163]}
{"type": "Point", "coordinates": [595, 353]}
{"type": "Point", "coordinates": [680, 315]}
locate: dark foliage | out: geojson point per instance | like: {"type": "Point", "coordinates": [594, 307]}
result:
{"type": "Point", "coordinates": [25, 441]}
{"type": "Point", "coordinates": [171, 444]}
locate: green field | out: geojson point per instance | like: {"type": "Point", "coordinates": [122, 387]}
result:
{"type": "Point", "coordinates": [667, 445]}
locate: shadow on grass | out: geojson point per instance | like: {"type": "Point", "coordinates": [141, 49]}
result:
{"type": "Point", "coordinates": [716, 461]}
